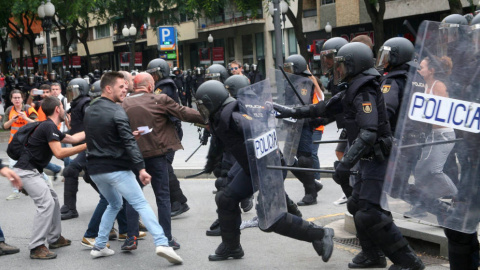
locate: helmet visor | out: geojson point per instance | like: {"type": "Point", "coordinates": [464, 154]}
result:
{"type": "Point", "coordinates": [31, 80]}
{"type": "Point", "coordinates": [212, 76]}
{"type": "Point", "coordinates": [476, 38]}
{"type": "Point", "coordinates": [340, 70]}
{"type": "Point", "coordinates": [73, 91]}
{"type": "Point", "coordinates": [155, 71]}
{"type": "Point", "coordinates": [202, 109]}
{"type": "Point", "coordinates": [449, 33]}
{"type": "Point", "coordinates": [326, 60]}
{"type": "Point", "coordinates": [288, 67]}
{"type": "Point", "coordinates": [383, 57]}
{"type": "Point", "coordinates": [52, 76]}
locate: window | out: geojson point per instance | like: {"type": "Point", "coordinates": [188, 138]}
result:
{"type": "Point", "coordinates": [326, 2]}
{"type": "Point", "coordinates": [292, 42]}
{"type": "Point", "coordinates": [102, 31]}
{"type": "Point", "coordinates": [259, 45]}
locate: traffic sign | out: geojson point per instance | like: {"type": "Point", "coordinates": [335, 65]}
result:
{"type": "Point", "coordinates": [166, 38]}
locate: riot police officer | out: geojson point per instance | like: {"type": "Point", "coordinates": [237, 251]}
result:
{"type": "Point", "coordinates": [189, 87]}
{"type": "Point", "coordinates": [180, 83]}
{"type": "Point", "coordinates": [297, 65]}
{"type": "Point", "coordinates": [53, 77]}
{"type": "Point", "coordinates": [160, 70]}
{"type": "Point", "coordinates": [198, 77]}
{"type": "Point", "coordinates": [77, 94]}
{"type": "Point", "coordinates": [216, 72]}
{"type": "Point", "coordinates": [254, 75]}
{"type": "Point", "coordinates": [227, 123]}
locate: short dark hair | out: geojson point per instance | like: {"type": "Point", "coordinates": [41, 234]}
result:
{"type": "Point", "coordinates": [45, 87]}
{"type": "Point", "coordinates": [49, 104]}
{"type": "Point", "coordinates": [110, 78]}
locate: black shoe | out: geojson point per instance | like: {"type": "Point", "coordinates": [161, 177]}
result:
{"type": "Point", "coordinates": [70, 214]}
{"type": "Point", "coordinates": [178, 208]}
{"type": "Point", "coordinates": [130, 243]}
{"type": "Point", "coordinates": [64, 209]}
{"type": "Point", "coordinates": [318, 185]}
{"type": "Point", "coordinates": [406, 259]}
{"type": "Point", "coordinates": [224, 253]}
{"type": "Point", "coordinates": [247, 204]}
{"type": "Point", "coordinates": [418, 266]}
{"type": "Point", "coordinates": [173, 244]}
{"type": "Point", "coordinates": [364, 260]}
{"type": "Point", "coordinates": [292, 208]}
{"type": "Point", "coordinates": [214, 229]}
{"type": "Point", "coordinates": [324, 247]}
{"type": "Point", "coordinates": [307, 200]}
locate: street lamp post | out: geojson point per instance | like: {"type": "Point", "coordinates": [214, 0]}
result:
{"type": "Point", "coordinates": [275, 12]}
{"type": "Point", "coordinates": [328, 29]}
{"type": "Point", "coordinates": [39, 41]}
{"type": "Point", "coordinates": [46, 13]}
{"type": "Point", "coordinates": [130, 36]}
{"type": "Point", "coordinates": [210, 41]}
{"type": "Point", "coordinates": [25, 57]}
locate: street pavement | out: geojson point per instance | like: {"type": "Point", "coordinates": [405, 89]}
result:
{"type": "Point", "coordinates": [262, 250]}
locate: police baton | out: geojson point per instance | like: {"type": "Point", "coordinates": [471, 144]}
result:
{"type": "Point", "coordinates": [186, 160]}
{"type": "Point", "coordinates": [305, 169]}
{"type": "Point", "coordinates": [332, 141]}
{"type": "Point", "coordinates": [428, 144]}
{"type": "Point", "coordinates": [291, 85]}
{"type": "Point", "coordinates": [195, 175]}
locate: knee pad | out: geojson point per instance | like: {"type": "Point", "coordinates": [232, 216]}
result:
{"type": "Point", "coordinates": [71, 171]}
{"type": "Point", "coordinates": [305, 161]}
{"type": "Point", "coordinates": [220, 183]}
{"type": "Point", "coordinates": [352, 205]}
{"type": "Point", "coordinates": [225, 201]}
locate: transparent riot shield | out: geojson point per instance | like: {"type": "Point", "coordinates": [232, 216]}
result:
{"type": "Point", "coordinates": [289, 129]}
{"type": "Point", "coordinates": [261, 140]}
{"type": "Point", "coordinates": [433, 172]}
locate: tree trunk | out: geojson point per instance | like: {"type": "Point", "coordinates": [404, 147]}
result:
{"type": "Point", "coordinates": [3, 43]}
{"type": "Point", "coordinates": [455, 6]}
{"type": "Point", "coordinates": [376, 16]}
{"type": "Point", "coordinates": [297, 24]}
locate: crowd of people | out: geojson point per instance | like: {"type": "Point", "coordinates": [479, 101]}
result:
{"type": "Point", "coordinates": [124, 129]}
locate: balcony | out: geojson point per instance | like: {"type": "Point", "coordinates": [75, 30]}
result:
{"type": "Point", "coordinates": [230, 17]}
{"type": "Point", "coordinates": [119, 38]}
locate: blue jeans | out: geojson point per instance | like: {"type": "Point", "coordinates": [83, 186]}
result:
{"type": "Point", "coordinates": [305, 144]}
{"type": "Point", "coordinates": [2, 237]}
{"type": "Point", "coordinates": [66, 160]}
{"type": "Point", "coordinates": [113, 186]}
{"type": "Point", "coordinates": [53, 167]}
{"type": "Point", "coordinates": [157, 167]}
{"type": "Point", "coordinates": [317, 136]}
{"type": "Point", "coordinates": [94, 224]}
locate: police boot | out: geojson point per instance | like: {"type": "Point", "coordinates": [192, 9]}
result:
{"type": "Point", "coordinates": [214, 229]}
{"type": "Point", "coordinates": [297, 228]}
{"type": "Point", "coordinates": [292, 208]}
{"type": "Point", "coordinates": [405, 259]}
{"type": "Point", "coordinates": [229, 248]}
{"type": "Point", "coordinates": [309, 185]}
{"type": "Point", "coordinates": [70, 200]}
{"type": "Point", "coordinates": [369, 258]}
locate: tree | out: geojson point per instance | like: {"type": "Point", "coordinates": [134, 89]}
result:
{"type": "Point", "coordinates": [297, 24]}
{"type": "Point", "coordinates": [376, 16]}
{"type": "Point", "coordinates": [5, 14]}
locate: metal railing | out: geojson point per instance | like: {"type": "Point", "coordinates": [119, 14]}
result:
{"type": "Point", "coordinates": [120, 38]}
{"type": "Point", "coordinates": [230, 17]}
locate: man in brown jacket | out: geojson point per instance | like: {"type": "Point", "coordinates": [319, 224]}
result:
{"type": "Point", "coordinates": [151, 114]}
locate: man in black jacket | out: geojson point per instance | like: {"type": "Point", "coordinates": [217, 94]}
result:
{"type": "Point", "coordinates": [112, 154]}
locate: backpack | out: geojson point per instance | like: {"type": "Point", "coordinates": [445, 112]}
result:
{"type": "Point", "coordinates": [20, 140]}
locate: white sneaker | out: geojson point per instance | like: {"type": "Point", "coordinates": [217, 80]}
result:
{"type": "Point", "coordinates": [13, 196]}
{"type": "Point", "coordinates": [96, 253]}
{"type": "Point", "coordinates": [169, 254]}
{"type": "Point", "coordinates": [340, 201]}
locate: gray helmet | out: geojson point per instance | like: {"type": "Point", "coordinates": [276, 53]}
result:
{"type": "Point", "coordinates": [31, 79]}
{"type": "Point", "coordinates": [189, 72]}
{"type": "Point", "coordinates": [353, 59]}
{"type": "Point", "coordinates": [235, 83]}
{"type": "Point", "coordinates": [395, 51]}
{"type": "Point", "coordinates": [246, 67]}
{"type": "Point", "coordinates": [97, 73]}
{"type": "Point", "coordinates": [455, 19]}
{"type": "Point", "coordinates": [77, 88]}
{"type": "Point", "coordinates": [176, 69]}
{"type": "Point", "coordinates": [329, 51]}
{"type": "Point", "coordinates": [158, 67]}
{"type": "Point", "coordinates": [254, 67]}
{"type": "Point", "coordinates": [95, 90]}
{"type": "Point", "coordinates": [211, 96]}
{"type": "Point", "coordinates": [475, 20]}
{"type": "Point", "coordinates": [216, 72]}
{"type": "Point", "coordinates": [296, 64]}
{"type": "Point", "coordinates": [52, 76]}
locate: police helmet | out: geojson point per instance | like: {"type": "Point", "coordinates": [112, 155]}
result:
{"type": "Point", "coordinates": [95, 90]}
{"type": "Point", "coordinates": [296, 64]}
{"type": "Point", "coordinates": [353, 59]}
{"type": "Point", "coordinates": [92, 77]}
{"type": "Point", "coordinates": [455, 19]}
{"type": "Point", "coordinates": [475, 33]}
{"type": "Point", "coordinates": [211, 96]}
{"type": "Point", "coordinates": [176, 69]}
{"type": "Point", "coordinates": [52, 76]}
{"type": "Point", "coordinates": [216, 72]}
{"type": "Point", "coordinates": [77, 88]}
{"type": "Point", "coordinates": [189, 72]}
{"type": "Point", "coordinates": [97, 73]}
{"type": "Point", "coordinates": [236, 82]}
{"type": "Point", "coordinates": [246, 67]}
{"type": "Point", "coordinates": [395, 52]}
{"type": "Point", "coordinates": [134, 72]}
{"type": "Point", "coordinates": [31, 79]}
{"type": "Point", "coordinates": [158, 67]}
{"type": "Point", "coordinates": [329, 50]}
{"type": "Point", "coordinates": [475, 20]}
{"type": "Point", "coordinates": [68, 75]}
{"type": "Point", "coordinates": [254, 67]}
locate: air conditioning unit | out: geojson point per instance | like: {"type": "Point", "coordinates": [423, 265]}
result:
{"type": "Point", "coordinates": [114, 38]}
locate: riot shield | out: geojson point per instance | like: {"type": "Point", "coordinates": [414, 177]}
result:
{"type": "Point", "coordinates": [433, 171]}
{"type": "Point", "coordinates": [289, 129]}
{"type": "Point", "coordinates": [262, 148]}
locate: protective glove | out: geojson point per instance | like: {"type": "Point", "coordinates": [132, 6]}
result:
{"type": "Point", "coordinates": [342, 172]}
{"type": "Point", "coordinates": [283, 111]}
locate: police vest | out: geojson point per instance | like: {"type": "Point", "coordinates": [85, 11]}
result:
{"type": "Point", "coordinates": [393, 93]}
{"type": "Point", "coordinates": [20, 122]}
{"type": "Point", "coordinates": [77, 113]}
{"type": "Point", "coordinates": [168, 87]}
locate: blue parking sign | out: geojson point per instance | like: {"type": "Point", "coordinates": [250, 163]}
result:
{"type": "Point", "coordinates": [166, 38]}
